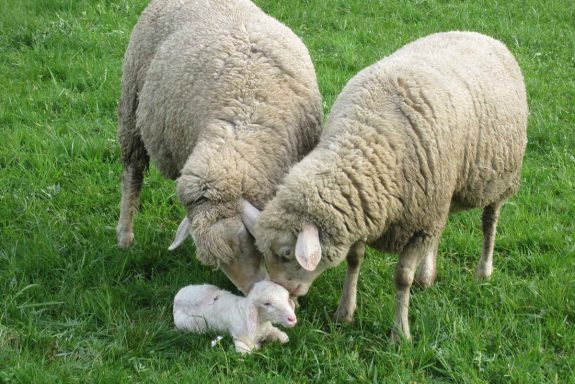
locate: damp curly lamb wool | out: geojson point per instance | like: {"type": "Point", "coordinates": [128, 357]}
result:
{"type": "Point", "coordinates": [436, 127]}
{"type": "Point", "coordinates": [224, 98]}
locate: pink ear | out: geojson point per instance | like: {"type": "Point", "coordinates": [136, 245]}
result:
{"type": "Point", "coordinates": [308, 248]}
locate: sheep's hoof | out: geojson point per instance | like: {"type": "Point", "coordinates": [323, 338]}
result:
{"type": "Point", "coordinates": [397, 337]}
{"type": "Point", "coordinates": [343, 315]}
{"type": "Point", "coordinates": [125, 239]}
{"type": "Point", "coordinates": [483, 273]}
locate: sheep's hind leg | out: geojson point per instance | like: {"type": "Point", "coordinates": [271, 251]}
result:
{"type": "Point", "coordinates": [428, 268]}
{"type": "Point", "coordinates": [348, 301]}
{"type": "Point", "coordinates": [136, 160]}
{"type": "Point", "coordinates": [489, 224]}
{"type": "Point", "coordinates": [410, 257]}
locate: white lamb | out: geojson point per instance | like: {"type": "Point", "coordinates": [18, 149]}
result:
{"type": "Point", "coordinates": [203, 308]}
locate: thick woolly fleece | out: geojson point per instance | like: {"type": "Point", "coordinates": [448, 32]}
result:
{"type": "Point", "coordinates": [438, 126]}
{"type": "Point", "coordinates": [224, 98]}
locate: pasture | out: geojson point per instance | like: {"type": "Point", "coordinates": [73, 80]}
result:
{"type": "Point", "coordinates": [75, 309]}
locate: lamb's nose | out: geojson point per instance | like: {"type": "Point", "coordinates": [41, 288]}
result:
{"type": "Point", "coordinates": [292, 319]}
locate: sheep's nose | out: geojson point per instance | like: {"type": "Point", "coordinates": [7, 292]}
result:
{"type": "Point", "coordinates": [292, 319]}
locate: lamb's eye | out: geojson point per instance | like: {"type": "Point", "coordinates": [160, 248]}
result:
{"type": "Point", "coordinates": [268, 304]}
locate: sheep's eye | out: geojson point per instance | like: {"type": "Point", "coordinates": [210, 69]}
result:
{"type": "Point", "coordinates": [268, 304]}
{"type": "Point", "coordinates": [284, 254]}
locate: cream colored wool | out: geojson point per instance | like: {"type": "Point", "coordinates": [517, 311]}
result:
{"type": "Point", "coordinates": [438, 126]}
{"type": "Point", "coordinates": [224, 98]}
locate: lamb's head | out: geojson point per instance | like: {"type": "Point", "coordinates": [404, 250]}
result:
{"type": "Point", "coordinates": [221, 239]}
{"type": "Point", "coordinates": [293, 256]}
{"type": "Point", "coordinates": [273, 303]}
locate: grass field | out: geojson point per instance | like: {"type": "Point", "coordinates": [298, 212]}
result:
{"type": "Point", "coordinates": [74, 308]}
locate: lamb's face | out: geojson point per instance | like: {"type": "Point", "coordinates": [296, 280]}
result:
{"type": "Point", "coordinates": [273, 303]}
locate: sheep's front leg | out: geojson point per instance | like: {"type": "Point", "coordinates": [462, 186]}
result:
{"type": "Point", "coordinates": [348, 301]}
{"type": "Point", "coordinates": [413, 252]}
{"type": "Point", "coordinates": [135, 159]}
{"type": "Point", "coordinates": [489, 224]}
{"type": "Point", "coordinates": [277, 335]}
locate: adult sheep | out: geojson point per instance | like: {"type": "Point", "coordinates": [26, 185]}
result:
{"type": "Point", "coordinates": [438, 126]}
{"type": "Point", "coordinates": [224, 98]}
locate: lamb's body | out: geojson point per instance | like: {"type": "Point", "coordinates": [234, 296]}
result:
{"type": "Point", "coordinates": [224, 97]}
{"type": "Point", "coordinates": [204, 308]}
{"type": "Point", "coordinates": [438, 126]}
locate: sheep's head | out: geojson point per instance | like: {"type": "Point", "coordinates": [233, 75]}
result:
{"type": "Point", "coordinates": [220, 237]}
{"type": "Point", "coordinates": [293, 261]}
{"type": "Point", "coordinates": [273, 304]}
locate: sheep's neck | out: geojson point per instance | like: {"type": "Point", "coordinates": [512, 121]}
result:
{"type": "Point", "coordinates": [354, 194]}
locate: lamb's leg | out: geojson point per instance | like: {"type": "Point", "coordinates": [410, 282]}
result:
{"type": "Point", "coordinates": [135, 160]}
{"type": "Point", "coordinates": [348, 303]}
{"type": "Point", "coordinates": [413, 252]}
{"type": "Point", "coordinates": [244, 347]}
{"type": "Point", "coordinates": [277, 335]}
{"type": "Point", "coordinates": [489, 221]}
{"type": "Point", "coordinates": [427, 269]}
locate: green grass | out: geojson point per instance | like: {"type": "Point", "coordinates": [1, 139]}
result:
{"type": "Point", "coordinates": [74, 308]}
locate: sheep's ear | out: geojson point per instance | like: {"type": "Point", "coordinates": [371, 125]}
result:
{"type": "Point", "coordinates": [308, 248]}
{"type": "Point", "coordinates": [250, 215]}
{"type": "Point", "coordinates": [181, 234]}
{"type": "Point", "coordinates": [252, 321]}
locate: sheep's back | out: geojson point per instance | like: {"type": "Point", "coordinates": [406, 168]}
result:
{"type": "Point", "coordinates": [218, 75]}
{"type": "Point", "coordinates": [455, 103]}
{"type": "Point", "coordinates": [440, 123]}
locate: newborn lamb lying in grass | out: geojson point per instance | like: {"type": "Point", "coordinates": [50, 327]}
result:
{"type": "Point", "coordinates": [203, 308]}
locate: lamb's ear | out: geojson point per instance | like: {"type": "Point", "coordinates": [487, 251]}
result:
{"type": "Point", "coordinates": [252, 320]}
{"type": "Point", "coordinates": [308, 248]}
{"type": "Point", "coordinates": [291, 303]}
{"type": "Point", "coordinates": [181, 234]}
{"type": "Point", "coordinates": [250, 215]}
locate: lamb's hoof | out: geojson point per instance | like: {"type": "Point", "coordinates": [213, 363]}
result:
{"type": "Point", "coordinates": [125, 239]}
{"type": "Point", "coordinates": [244, 348]}
{"type": "Point", "coordinates": [343, 315]}
{"type": "Point", "coordinates": [283, 338]}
